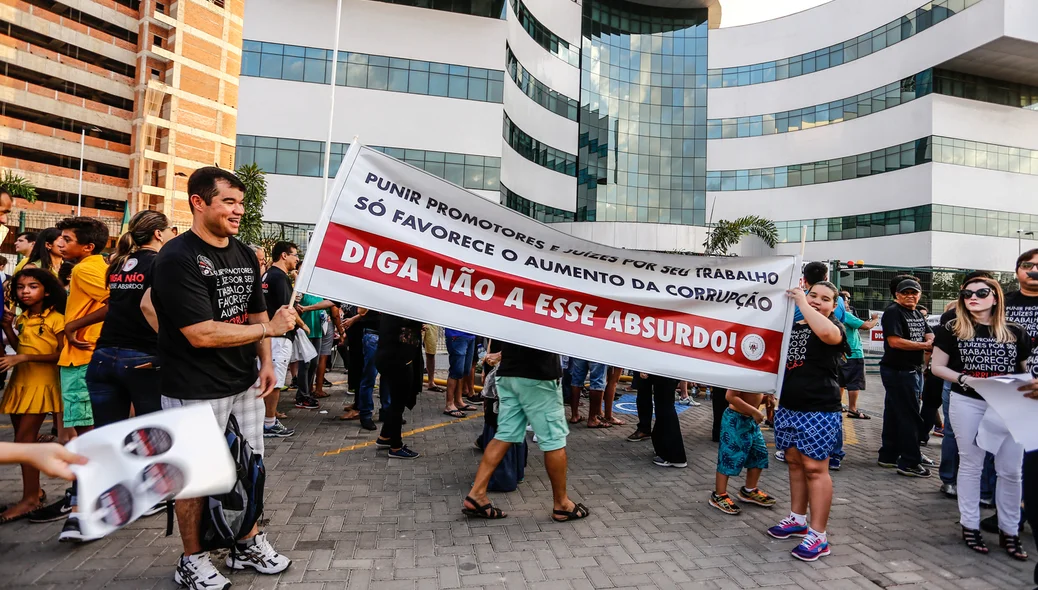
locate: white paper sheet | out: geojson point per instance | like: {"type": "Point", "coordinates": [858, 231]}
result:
{"type": "Point", "coordinates": [1019, 413]}
{"type": "Point", "coordinates": [137, 463]}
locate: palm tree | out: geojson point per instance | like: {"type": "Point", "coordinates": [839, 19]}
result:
{"type": "Point", "coordinates": [254, 178]}
{"type": "Point", "coordinates": [726, 234]}
{"type": "Point", "coordinates": [17, 187]}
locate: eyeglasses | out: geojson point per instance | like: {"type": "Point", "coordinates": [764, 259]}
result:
{"type": "Point", "coordinates": [982, 293]}
{"type": "Point", "coordinates": [1028, 265]}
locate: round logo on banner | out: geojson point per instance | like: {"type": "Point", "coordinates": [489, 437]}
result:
{"type": "Point", "coordinates": [753, 347]}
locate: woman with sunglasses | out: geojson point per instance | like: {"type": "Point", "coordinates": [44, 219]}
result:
{"type": "Point", "coordinates": [977, 344]}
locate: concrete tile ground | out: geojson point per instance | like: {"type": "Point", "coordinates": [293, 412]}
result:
{"type": "Point", "coordinates": [351, 518]}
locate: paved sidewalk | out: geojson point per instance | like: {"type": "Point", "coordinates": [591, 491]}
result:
{"type": "Point", "coordinates": [351, 518]}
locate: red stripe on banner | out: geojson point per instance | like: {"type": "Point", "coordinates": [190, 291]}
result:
{"type": "Point", "coordinates": [687, 335]}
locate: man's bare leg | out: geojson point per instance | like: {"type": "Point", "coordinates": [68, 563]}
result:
{"type": "Point", "coordinates": [596, 410]}
{"type": "Point", "coordinates": [493, 453]}
{"type": "Point", "coordinates": [555, 464]}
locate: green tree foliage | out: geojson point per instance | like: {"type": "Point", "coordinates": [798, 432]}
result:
{"type": "Point", "coordinates": [255, 179]}
{"type": "Point", "coordinates": [726, 234]}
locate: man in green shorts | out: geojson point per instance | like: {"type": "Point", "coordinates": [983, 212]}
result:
{"type": "Point", "coordinates": [528, 393]}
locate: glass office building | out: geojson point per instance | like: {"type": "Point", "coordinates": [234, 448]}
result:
{"type": "Point", "coordinates": [640, 123]}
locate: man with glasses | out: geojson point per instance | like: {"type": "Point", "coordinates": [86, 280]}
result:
{"type": "Point", "coordinates": [907, 337]}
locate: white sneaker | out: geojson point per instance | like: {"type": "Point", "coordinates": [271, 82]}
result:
{"type": "Point", "coordinates": [781, 456]}
{"type": "Point", "coordinates": [535, 438]}
{"type": "Point", "coordinates": [197, 572]}
{"type": "Point", "coordinates": [529, 428]}
{"type": "Point", "coordinates": [259, 554]}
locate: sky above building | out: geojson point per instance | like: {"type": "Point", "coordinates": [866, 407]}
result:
{"type": "Point", "coordinates": [744, 12]}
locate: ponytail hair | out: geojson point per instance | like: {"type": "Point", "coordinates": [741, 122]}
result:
{"type": "Point", "coordinates": [140, 232]}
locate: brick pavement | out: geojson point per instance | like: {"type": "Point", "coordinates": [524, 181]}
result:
{"type": "Point", "coordinates": [359, 520]}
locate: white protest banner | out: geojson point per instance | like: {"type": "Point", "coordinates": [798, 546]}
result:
{"type": "Point", "coordinates": [400, 240]}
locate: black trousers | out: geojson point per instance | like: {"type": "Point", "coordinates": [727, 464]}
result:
{"type": "Point", "coordinates": [644, 404]}
{"type": "Point", "coordinates": [901, 420]}
{"type": "Point", "coordinates": [395, 384]}
{"type": "Point", "coordinates": [932, 388]}
{"type": "Point", "coordinates": [355, 362]}
{"type": "Point", "coordinates": [719, 404]}
{"type": "Point", "coordinates": [666, 434]}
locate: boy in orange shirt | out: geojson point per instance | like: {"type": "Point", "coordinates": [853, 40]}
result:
{"type": "Point", "coordinates": [81, 242]}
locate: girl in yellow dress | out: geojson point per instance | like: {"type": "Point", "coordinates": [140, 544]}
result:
{"type": "Point", "coordinates": [35, 388]}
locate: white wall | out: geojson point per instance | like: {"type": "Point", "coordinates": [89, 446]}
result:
{"type": "Point", "coordinates": [561, 18]}
{"type": "Point", "coordinates": [822, 26]}
{"type": "Point", "coordinates": [381, 29]}
{"type": "Point", "coordinates": [537, 121]}
{"type": "Point", "coordinates": [396, 119]}
{"type": "Point", "coordinates": [903, 250]}
{"type": "Point", "coordinates": [981, 24]}
{"type": "Point", "coordinates": [545, 66]}
{"type": "Point", "coordinates": [537, 183]}
{"type": "Point", "coordinates": [884, 192]}
{"type": "Point", "coordinates": [980, 121]}
{"type": "Point", "coordinates": [984, 189]}
{"type": "Point", "coordinates": [880, 130]}
{"type": "Point", "coordinates": [966, 251]}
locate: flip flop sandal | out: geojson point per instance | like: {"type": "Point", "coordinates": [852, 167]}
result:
{"type": "Point", "coordinates": [468, 408]}
{"type": "Point", "coordinates": [579, 511]}
{"type": "Point", "coordinates": [859, 415]}
{"type": "Point", "coordinates": [454, 413]}
{"type": "Point", "coordinates": [437, 389]}
{"type": "Point", "coordinates": [322, 395]}
{"type": "Point", "coordinates": [487, 511]}
{"type": "Point", "coordinates": [601, 425]}
{"type": "Point", "coordinates": [344, 418]}
{"type": "Point", "coordinates": [576, 420]}
{"type": "Point", "coordinates": [47, 438]}
{"type": "Point", "coordinates": [9, 519]}
{"type": "Point", "coordinates": [615, 421]}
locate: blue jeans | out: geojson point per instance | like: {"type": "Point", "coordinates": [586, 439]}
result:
{"type": "Point", "coordinates": [117, 378]}
{"type": "Point", "coordinates": [460, 351]}
{"type": "Point", "coordinates": [901, 420]}
{"type": "Point", "coordinates": [950, 454]}
{"type": "Point", "coordinates": [838, 453]}
{"type": "Point", "coordinates": [366, 395]}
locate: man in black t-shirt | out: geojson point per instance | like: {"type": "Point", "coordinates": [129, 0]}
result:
{"type": "Point", "coordinates": [528, 394]}
{"type": "Point", "coordinates": [907, 337]}
{"type": "Point", "coordinates": [213, 326]}
{"type": "Point", "coordinates": [277, 292]}
{"type": "Point", "coordinates": [1022, 308]}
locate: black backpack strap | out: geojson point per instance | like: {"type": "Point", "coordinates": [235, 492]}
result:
{"type": "Point", "coordinates": [169, 518]}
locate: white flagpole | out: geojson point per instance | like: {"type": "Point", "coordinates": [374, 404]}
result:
{"type": "Point", "coordinates": [331, 107]}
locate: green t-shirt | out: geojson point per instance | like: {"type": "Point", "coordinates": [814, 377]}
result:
{"type": "Point", "coordinates": [853, 324]}
{"type": "Point", "coordinates": [312, 319]}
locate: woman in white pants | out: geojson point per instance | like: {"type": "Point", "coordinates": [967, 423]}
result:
{"type": "Point", "coordinates": [980, 343]}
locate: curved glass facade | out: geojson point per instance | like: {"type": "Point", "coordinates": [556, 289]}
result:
{"type": "Point", "coordinates": [375, 72]}
{"type": "Point", "coordinates": [554, 44]}
{"type": "Point", "coordinates": [642, 142]}
{"type": "Point", "coordinates": [837, 111]}
{"type": "Point", "coordinates": [912, 153]}
{"type": "Point", "coordinates": [943, 218]}
{"type": "Point", "coordinates": [558, 103]}
{"type": "Point", "coordinates": [934, 81]}
{"type": "Point", "coordinates": [945, 150]}
{"type": "Point", "coordinates": [542, 213]}
{"type": "Point", "coordinates": [875, 40]}
{"type": "Point", "coordinates": [538, 152]}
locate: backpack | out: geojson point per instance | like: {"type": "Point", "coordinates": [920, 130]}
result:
{"type": "Point", "coordinates": [228, 518]}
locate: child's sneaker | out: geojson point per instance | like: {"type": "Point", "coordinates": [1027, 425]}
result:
{"type": "Point", "coordinates": [834, 464]}
{"type": "Point", "coordinates": [811, 548]}
{"type": "Point", "coordinates": [780, 456]}
{"type": "Point", "coordinates": [724, 503]}
{"type": "Point", "coordinates": [788, 528]}
{"type": "Point", "coordinates": [756, 496]}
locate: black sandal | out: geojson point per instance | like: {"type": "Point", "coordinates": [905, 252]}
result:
{"type": "Point", "coordinates": [859, 415]}
{"type": "Point", "coordinates": [974, 540]}
{"type": "Point", "coordinates": [579, 511]}
{"type": "Point", "coordinates": [487, 511]}
{"type": "Point", "coordinates": [1012, 545]}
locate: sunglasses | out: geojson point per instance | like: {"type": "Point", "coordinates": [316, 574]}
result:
{"type": "Point", "coordinates": [909, 292]}
{"type": "Point", "coordinates": [1028, 265]}
{"type": "Point", "coordinates": [982, 293]}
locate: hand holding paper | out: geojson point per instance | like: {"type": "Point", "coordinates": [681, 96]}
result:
{"type": "Point", "coordinates": [1015, 399]}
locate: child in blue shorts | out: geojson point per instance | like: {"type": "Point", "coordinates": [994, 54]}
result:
{"type": "Point", "coordinates": [742, 446]}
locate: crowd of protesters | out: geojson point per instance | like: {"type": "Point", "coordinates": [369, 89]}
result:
{"type": "Point", "coordinates": [90, 331]}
